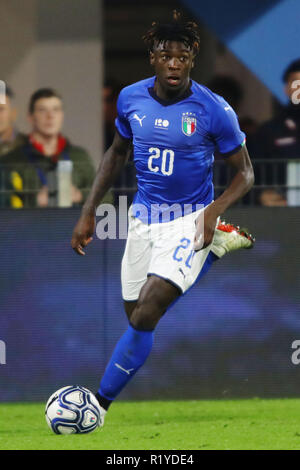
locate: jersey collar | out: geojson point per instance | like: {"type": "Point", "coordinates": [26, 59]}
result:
{"type": "Point", "coordinates": [187, 93]}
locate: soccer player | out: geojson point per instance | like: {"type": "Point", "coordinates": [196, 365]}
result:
{"type": "Point", "coordinates": [174, 125]}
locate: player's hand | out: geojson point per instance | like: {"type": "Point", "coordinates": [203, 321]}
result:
{"type": "Point", "coordinates": [83, 231]}
{"type": "Point", "coordinates": [205, 228]}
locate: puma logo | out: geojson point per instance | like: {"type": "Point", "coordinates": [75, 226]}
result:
{"type": "Point", "coordinates": [139, 119]}
{"type": "Point", "coordinates": [180, 270]}
{"type": "Point", "coordinates": [124, 370]}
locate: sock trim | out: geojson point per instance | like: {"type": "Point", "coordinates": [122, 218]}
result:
{"type": "Point", "coordinates": [141, 329]}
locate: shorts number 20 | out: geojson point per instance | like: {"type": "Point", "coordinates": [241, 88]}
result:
{"type": "Point", "coordinates": [166, 163]}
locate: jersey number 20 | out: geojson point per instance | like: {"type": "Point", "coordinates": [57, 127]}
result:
{"type": "Point", "coordinates": [166, 163]}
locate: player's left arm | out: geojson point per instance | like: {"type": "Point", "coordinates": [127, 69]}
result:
{"type": "Point", "coordinates": [240, 184]}
{"type": "Point", "coordinates": [230, 141]}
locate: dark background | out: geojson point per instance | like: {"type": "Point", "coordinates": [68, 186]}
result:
{"type": "Point", "coordinates": [230, 336]}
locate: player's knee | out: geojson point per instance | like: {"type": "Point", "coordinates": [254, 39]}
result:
{"type": "Point", "coordinates": [146, 315]}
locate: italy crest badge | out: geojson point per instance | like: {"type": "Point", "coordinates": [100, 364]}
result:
{"type": "Point", "coordinates": [188, 124]}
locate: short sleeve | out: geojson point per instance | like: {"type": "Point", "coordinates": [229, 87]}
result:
{"type": "Point", "coordinates": [121, 122]}
{"type": "Point", "coordinates": [225, 129]}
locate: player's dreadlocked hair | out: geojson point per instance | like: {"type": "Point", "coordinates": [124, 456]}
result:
{"type": "Point", "coordinates": [187, 33]}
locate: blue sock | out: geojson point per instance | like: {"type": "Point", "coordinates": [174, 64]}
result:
{"type": "Point", "coordinates": [129, 355]}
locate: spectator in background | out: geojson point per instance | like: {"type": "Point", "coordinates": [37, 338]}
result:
{"type": "Point", "coordinates": [271, 198]}
{"type": "Point", "coordinates": [31, 167]}
{"type": "Point", "coordinates": [10, 138]}
{"type": "Point", "coordinates": [279, 138]}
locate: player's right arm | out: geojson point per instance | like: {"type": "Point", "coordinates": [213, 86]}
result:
{"type": "Point", "coordinates": [111, 166]}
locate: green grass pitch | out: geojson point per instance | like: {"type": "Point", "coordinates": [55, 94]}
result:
{"type": "Point", "coordinates": [164, 425]}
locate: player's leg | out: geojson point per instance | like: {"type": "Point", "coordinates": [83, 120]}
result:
{"type": "Point", "coordinates": [172, 268]}
{"type": "Point", "coordinates": [129, 307]}
{"type": "Point", "coordinates": [135, 345]}
{"type": "Point", "coordinates": [211, 258]}
{"type": "Point", "coordinates": [134, 270]}
{"type": "Point", "coordinates": [155, 297]}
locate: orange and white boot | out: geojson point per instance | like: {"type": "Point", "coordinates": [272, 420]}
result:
{"type": "Point", "coordinates": [229, 237]}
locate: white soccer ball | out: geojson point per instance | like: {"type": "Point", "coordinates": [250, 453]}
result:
{"type": "Point", "coordinates": [73, 410]}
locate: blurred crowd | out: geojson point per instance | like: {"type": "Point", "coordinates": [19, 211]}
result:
{"type": "Point", "coordinates": [274, 146]}
{"type": "Point", "coordinates": [29, 163]}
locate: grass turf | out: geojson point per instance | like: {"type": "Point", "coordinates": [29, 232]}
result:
{"type": "Point", "coordinates": [164, 425]}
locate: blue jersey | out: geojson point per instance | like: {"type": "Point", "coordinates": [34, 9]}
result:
{"type": "Point", "coordinates": [174, 144]}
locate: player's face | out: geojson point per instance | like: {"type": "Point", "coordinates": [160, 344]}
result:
{"type": "Point", "coordinates": [7, 115]}
{"type": "Point", "coordinates": [47, 117]}
{"type": "Point", "coordinates": [172, 62]}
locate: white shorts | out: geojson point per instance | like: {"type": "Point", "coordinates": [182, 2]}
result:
{"type": "Point", "coordinates": [165, 250]}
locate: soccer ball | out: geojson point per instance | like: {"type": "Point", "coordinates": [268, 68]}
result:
{"type": "Point", "coordinates": [73, 410]}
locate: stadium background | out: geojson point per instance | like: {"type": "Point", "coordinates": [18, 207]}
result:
{"type": "Point", "coordinates": [60, 314]}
